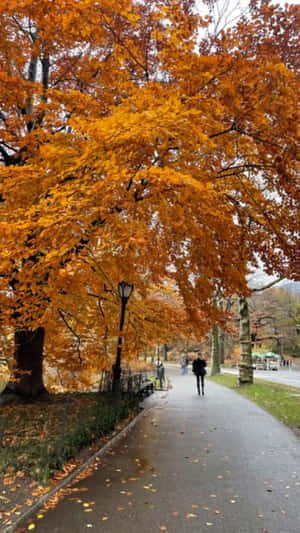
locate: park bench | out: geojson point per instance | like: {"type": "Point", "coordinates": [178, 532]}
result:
{"type": "Point", "coordinates": [138, 384]}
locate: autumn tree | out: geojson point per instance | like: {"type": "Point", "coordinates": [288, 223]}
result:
{"type": "Point", "coordinates": [147, 155]}
{"type": "Point", "coordinates": [53, 58]}
{"type": "Point", "coordinates": [275, 315]}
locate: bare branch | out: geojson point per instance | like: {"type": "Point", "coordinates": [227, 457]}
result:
{"type": "Point", "coordinates": [62, 316]}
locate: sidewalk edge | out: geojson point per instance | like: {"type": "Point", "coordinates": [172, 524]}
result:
{"type": "Point", "coordinates": [11, 528]}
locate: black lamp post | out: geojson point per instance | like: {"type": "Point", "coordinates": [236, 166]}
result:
{"type": "Point", "coordinates": [125, 290]}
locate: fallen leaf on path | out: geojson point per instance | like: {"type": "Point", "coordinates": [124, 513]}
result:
{"type": "Point", "coordinates": [190, 515]}
{"type": "Point", "coordinates": [163, 528]}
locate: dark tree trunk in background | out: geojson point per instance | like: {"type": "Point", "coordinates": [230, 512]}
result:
{"type": "Point", "coordinates": [28, 370]}
{"type": "Point", "coordinates": [165, 347]}
{"type": "Point", "coordinates": [222, 345]}
{"type": "Point", "coordinates": [245, 363]}
{"type": "Point", "coordinates": [215, 356]}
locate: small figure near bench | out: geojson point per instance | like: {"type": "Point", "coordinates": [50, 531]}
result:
{"type": "Point", "coordinates": [160, 372]}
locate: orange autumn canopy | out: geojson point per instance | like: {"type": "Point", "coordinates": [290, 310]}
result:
{"type": "Point", "coordinates": [134, 149]}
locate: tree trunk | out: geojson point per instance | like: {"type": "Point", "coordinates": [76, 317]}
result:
{"type": "Point", "coordinates": [27, 383]}
{"type": "Point", "coordinates": [215, 356]}
{"type": "Point", "coordinates": [165, 352]}
{"type": "Point", "coordinates": [222, 346]}
{"type": "Point", "coordinates": [245, 363]}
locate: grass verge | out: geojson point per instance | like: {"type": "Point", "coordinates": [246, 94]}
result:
{"type": "Point", "coordinates": [38, 439]}
{"type": "Point", "coordinates": [281, 401]}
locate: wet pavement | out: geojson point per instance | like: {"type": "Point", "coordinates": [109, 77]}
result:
{"type": "Point", "coordinates": [217, 463]}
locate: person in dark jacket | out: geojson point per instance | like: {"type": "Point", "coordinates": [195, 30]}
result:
{"type": "Point", "coordinates": [160, 372]}
{"type": "Point", "coordinates": [199, 370]}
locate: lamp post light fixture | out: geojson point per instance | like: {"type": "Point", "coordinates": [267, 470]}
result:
{"type": "Point", "coordinates": [125, 290]}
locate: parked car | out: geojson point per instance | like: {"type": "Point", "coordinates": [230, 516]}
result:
{"type": "Point", "coordinates": [274, 363]}
{"type": "Point", "coordinates": [261, 364]}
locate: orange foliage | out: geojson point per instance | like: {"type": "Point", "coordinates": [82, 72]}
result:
{"type": "Point", "coordinates": [132, 151]}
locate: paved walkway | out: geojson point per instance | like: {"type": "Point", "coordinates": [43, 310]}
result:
{"type": "Point", "coordinates": [216, 463]}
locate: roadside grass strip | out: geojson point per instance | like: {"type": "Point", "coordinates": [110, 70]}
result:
{"type": "Point", "coordinates": [282, 401]}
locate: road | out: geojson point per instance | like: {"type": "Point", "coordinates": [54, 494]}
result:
{"type": "Point", "coordinates": [287, 377]}
{"type": "Point", "coordinates": [192, 464]}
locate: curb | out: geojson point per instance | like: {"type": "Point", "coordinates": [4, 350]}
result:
{"type": "Point", "coordinates": [11, 528]}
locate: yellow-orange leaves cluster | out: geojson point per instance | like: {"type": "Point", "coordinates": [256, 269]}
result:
{"type": "Point", "coordinates": [134, 150]}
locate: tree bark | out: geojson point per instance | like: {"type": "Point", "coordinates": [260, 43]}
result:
{"type": "Point", "coordinates": [27, 383]}
{"type": "Point", "coordinates": [222, 346]}
{"type": "Point", "coordinates": [165, 348]}
{"type": "Point", "coordinates": [245, 363]}
{"type": "Point", "coordinates": [215, 356]}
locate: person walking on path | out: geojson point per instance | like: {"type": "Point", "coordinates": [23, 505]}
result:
{"type": "Point", "coordinates": [199, 370]}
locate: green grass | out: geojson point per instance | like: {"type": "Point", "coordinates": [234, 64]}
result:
{"type": "Point", "coordinates": [39, 438]}
{"type": "Point", "coordinates": [277, 399]}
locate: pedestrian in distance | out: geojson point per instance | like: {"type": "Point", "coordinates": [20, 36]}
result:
{"type": "Point", "coordinates": [184, 364]}
{"type": "Point", "coordinates": [199, 370]}
{"type": "Point", "coordinates": [160, 372]}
